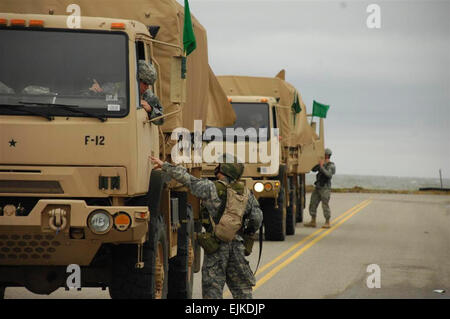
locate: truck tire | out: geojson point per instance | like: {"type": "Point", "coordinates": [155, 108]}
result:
{"type": "Point", "coordinates": [150, 282]}
{"type": "Point", "coordinates": [274, 219]}
{"type": "Point", "coordinates": [181, 267]}
{"type": "Point", "coordinates": [2, 292]}
{"type": "Point", "coordinates": [291, 210]}
{"type": "Point", "coordinates": [300, 199]}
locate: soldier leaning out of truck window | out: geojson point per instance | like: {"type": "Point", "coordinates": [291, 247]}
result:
{"type": "Point", "coordinates": [149, 101]}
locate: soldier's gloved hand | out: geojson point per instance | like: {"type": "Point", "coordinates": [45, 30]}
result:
{"type": "Point", "coordinates": [96, 87]}
{"type": "Point", "coordinates": [146, 106]}
{"type": "Point", "coordinates": [158, 163]}
{"type": "Point", "coordinates": [321, 162]}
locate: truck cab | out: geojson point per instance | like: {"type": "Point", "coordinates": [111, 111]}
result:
{"type": "Point", "coordinates": [76, 184]}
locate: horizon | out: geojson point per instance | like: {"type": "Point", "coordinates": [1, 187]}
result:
{"type": "Point", "coordinates": [388, 88]}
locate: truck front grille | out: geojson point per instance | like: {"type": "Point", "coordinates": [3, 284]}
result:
{"type": "Point", "coordinates": [27, 247]}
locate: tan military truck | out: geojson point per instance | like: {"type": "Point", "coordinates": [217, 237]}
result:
{"type": "Point", "coordinates": [76, 185]}
{"type": "Point", "coordinates": [271, 103]}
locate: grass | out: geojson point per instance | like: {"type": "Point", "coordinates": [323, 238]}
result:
{"type": "Point", "coordinates": [358, 189]}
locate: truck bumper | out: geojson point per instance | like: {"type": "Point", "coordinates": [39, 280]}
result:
{"type": "Point", "coordinates": [33, 240]}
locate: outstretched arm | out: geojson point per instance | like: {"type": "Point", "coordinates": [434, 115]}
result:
{"type": "Point", "coordinates": [199, 187]}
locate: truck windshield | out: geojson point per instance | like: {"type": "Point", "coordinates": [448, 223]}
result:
{"type": "Point", "coordinates": [45, 70]}
{"type": "Point", "coordinates": [251, 115]}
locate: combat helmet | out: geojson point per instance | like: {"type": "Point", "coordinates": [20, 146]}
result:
{"type": "Point", "coordinates": [328, 152]}
{"type": "Point", "coordinates": [147, 72]}
{"type": "Point", "coordinates": [230, 167]}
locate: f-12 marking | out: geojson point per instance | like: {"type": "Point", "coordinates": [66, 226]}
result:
{"type": "Point", "coordinates": [97, 140]}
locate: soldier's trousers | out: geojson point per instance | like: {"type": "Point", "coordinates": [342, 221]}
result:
{"type": "Point", "coordinates": [320, 195]}
{"type": "Point", "coordinates": [227, 265]}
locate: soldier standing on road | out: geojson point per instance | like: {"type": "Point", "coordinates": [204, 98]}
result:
{"type": "Point", "coordinates": [224, 260]}
{"type": "Point", "coordinates": [322, 191]}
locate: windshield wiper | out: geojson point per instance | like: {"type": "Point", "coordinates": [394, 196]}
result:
{"type": "Point", "coordinates": [67, 107]}
{"type": "Point", "coordinates": [22, 108]}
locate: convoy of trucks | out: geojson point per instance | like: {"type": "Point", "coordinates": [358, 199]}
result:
{"type": "Point", "coordinates": [76, 185]}
{"type": "Point", "coordinates": [273, 103]}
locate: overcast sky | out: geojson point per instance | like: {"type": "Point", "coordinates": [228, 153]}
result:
{"type": "Point", "coordinates": [389, 88]}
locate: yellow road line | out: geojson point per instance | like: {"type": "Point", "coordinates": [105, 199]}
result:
{"type": "Point", "coordinates": [301, 242]}
{"type": "Point", "coordinates": [274, 271]}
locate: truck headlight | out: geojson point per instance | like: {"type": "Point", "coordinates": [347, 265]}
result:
{"type": "Point", "coordinates": [100, 222]}
{"type": "Point", "coordinates": [258, 187]}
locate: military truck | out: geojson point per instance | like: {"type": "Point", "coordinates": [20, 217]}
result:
{"type": "Point", "coordinates": [273, 103]}
{"type": "Point", "coordinates": [76, 185]}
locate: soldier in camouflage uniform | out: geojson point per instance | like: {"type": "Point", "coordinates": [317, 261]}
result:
{"type": "Point", "coordinates": [322, 191]}
{"type": "Point", "coordinates": [228, 264]}
{"type": "Point", "coordinates": [149, 101]}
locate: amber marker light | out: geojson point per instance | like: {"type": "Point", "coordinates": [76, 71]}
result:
{"type": "Point", "coordinates": [277, 184]}
{"type": "Point", "coordinates": [37, 23]}
{"type": "Point", "coordinates": [3, 22]}
{"type": "Point", "coordinates": [122, 221]}
{"type": "Point", "coordinates": [264, 100]}
{"type": "Point", "coordinates": [267, 187]}
{"type": "Point", "coordinates": [118, 25]}
{"type": "Point", "coordinates": [230, 100]}
{"type": "Point", "coordinates": [18, 22]}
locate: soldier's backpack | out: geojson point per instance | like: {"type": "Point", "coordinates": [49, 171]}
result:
{"type": "Point", "coordinates": [231, 220]}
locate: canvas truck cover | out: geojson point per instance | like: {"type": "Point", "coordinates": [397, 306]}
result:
{"type": "Point", "coordinates": [294, 127]}
{"type": "Point", "coordinates": [205, 99]}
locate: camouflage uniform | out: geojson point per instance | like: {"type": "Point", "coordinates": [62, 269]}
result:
{"type": "Point", "coordinates": [147, 75]}
{"type": "Point", "coordinates": [322, 190]}
{"type": "Point", "coordinates": [153, 101]}
{"type": "Point", "coordinates": [228, 264]}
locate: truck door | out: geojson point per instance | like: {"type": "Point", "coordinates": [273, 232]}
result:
{"type": "Point", "coordinates": [147, 133]}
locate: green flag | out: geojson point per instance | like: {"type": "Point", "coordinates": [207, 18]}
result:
{"type": "Point", "coordinates": [296, 107]}
{"type": "Point", "coordinates": [320, 110]}
{"type": "Point", "coordinates": [189, 42]}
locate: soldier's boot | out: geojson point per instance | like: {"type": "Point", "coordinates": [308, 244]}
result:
{"type": "Point", "coordinates": [327, 224]}
{"type": "Point", "coordinates": [312, 223]}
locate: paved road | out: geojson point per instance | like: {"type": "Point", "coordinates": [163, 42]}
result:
{"type": "Point", "coordinates": [407, 236]}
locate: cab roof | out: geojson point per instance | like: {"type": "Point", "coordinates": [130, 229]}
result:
{"type": "Point", "coordinates": [87, 23]}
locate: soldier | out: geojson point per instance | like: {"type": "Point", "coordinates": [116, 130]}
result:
{"type": "Point", "coordinates": [224, 258]}
{"type": "Point", "coordinates": [322, 191]}
{"type": "Point", "coordinates": [149, 101]}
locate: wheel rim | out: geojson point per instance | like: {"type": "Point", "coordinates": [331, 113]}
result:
{"type": "Point", "coordinates": [159, 272]}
